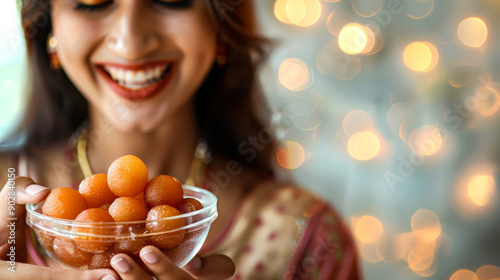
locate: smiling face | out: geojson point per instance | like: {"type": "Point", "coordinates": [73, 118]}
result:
{"type": "Point", "coordinates": [137, 62]}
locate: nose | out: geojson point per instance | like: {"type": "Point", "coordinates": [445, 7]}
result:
{"type": "Point", "coordinates": [132, 36]}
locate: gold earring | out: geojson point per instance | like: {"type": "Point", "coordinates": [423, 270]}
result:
{"type": "Point", "coordinates": [52, 52]}
{"type": "Point", "coordinates": [222, 53]}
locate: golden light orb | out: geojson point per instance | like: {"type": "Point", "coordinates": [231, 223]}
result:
{"type": "Point", "coordinates": [421, 56]}
{"type": "Point", "coordinates": [369, 229]}
{"type": "Point", "coordinates": [295, 75]}
{"type": "Point", "coordinates": [426, 225]}
{"type": "Point", "coordinates": [481, 189]}
{"type": "Point", "coordinates": [472, 32]}
{"type": "Point", "coordinates": [363, 146]}
{"type": "Point", "coordinates": [291, 155]}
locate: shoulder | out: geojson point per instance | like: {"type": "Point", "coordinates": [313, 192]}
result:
{"type": "Point", "coordinates": [324, 245]}
{"type": "Point", "coordinates": [302, 202]}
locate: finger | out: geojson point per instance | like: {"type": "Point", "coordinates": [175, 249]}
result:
{"type": "Point", "coordinates": [211, 267]}
{"type": "Point", "coordinates": [28, 271]}
{"type": "Point", "coordinates": [127, 268]}
{"type": "Point", "coordinates": [98, 274]}
{"type": "Point", "coordinates": [23, 190]}
{"type": "Point", "coordinates": [161, 266]}
{"type": "Point", "coordinates": [15, 193]}
{"type": "Point", "coordinates": [27, 191]}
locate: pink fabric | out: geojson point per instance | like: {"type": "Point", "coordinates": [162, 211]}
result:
{"type": "Point", "coordinates": [32, 252]}
{"type": "Point", "coordinates": [326, 250]}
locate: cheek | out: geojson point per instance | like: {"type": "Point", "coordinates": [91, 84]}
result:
{"type": "Point", "coordinates": [197, 42]}
{"type": "Point", "coordinates": [76, 37]}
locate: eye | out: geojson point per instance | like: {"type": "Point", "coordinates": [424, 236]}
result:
{"type": "Point", "coordinates": [175, 3]}
{"type": "Point", "coordinates": [92, 5]}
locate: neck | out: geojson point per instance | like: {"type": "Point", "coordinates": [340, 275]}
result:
{"type": "Point", "coordinates": [169, 149]}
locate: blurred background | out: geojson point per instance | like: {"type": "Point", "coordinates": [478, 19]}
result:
{"type": "Point", "coordinates": [386, 108]}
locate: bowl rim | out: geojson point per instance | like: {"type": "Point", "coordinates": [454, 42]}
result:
{"type": "Point", "coordinates": [211, 209]}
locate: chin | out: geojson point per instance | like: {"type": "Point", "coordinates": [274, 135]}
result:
{"type": "Point", "coordinates": [128, 123]}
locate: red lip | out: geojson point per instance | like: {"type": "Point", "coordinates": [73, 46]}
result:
{"type": "Point", "coordinates": [141, 94]}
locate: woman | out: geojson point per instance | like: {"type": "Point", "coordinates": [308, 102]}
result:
{"type": "Point", "coordinates": [173, 82]}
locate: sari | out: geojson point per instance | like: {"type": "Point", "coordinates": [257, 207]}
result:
{"type": "Point", "coordinates": [285, 232]}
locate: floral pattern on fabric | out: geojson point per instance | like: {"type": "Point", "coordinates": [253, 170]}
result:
{"type": "Point", "coordinates": [284, 232]}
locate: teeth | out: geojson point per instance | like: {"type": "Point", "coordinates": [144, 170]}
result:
{"type": "Point", "coordinates": [136, 79]}
{"type": "Point", "coordinates": [157, 71]}
{"type": "Point", "coordinates": [150, 74]}
{"type": "Point", "coordinates": [120, 75]}
{"type": "Point", "coordinates": [140, 77]}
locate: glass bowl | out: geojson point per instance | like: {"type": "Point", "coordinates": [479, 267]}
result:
{"type": "Point", "coordinates": [90, 245]}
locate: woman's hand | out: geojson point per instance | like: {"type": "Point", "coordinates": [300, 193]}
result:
{"type": "Point", "coordinates": [28, 271]}
{"type": "Point", "coordinates": [209, 267]}
{"type": "Point", "coordinates": [23, 190]}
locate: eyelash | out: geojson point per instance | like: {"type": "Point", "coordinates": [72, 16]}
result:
{"type": "Point", "coordinates": [90, 8]}
{"type": "Point", "coordinates": [176, 5]}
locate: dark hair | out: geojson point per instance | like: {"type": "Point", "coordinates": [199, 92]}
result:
{"type": "Point", "coordinates": [225, 102]}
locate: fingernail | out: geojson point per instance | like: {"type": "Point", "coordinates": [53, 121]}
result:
{"type": "Point", "coordinates": [194, 264]}
{"type": "Point", "coordinates": [108, 277]}
{"type": "Point", "coordinates": [149, 256]}
{"type": "Point", "coordinates": [34, 189]}
{"type": "Point", "coordinates": [121, 265]}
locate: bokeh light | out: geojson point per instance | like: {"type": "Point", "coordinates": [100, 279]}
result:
{"type": "Point", "coordinates": [420, 258]}
{"type": "Point", "coordinates": [396, 115]}
{"type": "Point", "coordinates": [357, 121]}
{"type": "Point", "coordinates": [280, 12]}
{"type": "Point", "coordinates": [355, 38]}
{"type": "Point", "coordinates": [369, 229]}
{"type": "Point", "coordinates": [375, 40]}
{"type": "Point", "coordinates": [299, 12]}
{"type": "Point", "coordinates": [488, 99]}
{"type": "Point", "coordinates": [426, 225]}
{"type": "Point", "coordinates": [464, 274]}
{"type": "Point", "coordinates": [419, 9]}
{"type": "Point", "coordinates": [472, 32]}
{"type": "Point", "coordinates": [367, 8]}
{"type": "Point", "coordinates": [291, 155]}
{"type": "Point", "coordinates": [363, 145]}
{"type": "Point", "coordinates": [426, 140]}
{"type": "Point", "coordinates": [295, 75]}
{"type": "Point", "coordinates": [488, 272]}
{"type": "Point", "coordinates": [421, 56]}
{"type": "Point", "coordinates": [473, 199]}
{"type": "Point", "coordinates": [405, 130]}
{"type": "Point", "coordinates": [333, 61]}
{"type": "Point", "coordinates": [399, 245]}
{"type": "Point", "coordinates": [481, 189]}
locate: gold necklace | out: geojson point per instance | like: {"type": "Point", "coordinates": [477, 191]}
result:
{"type": "Point", "coordinates": [196, 172]}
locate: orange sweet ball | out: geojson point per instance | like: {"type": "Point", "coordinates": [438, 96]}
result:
{"type": "Point", "coordinates": [188, 205]}
{"type": "Point", "coordinates": [173, 237]}
{"type": "Point", "coordinates": [47, 240]}
{"type": "Point", "coordinates": [127, 176]}
{"type": "Point", "coordinates": [68, 253]}
{"type": "Point", "coordinates": [88, 243]}
{"type": "Point", "coordinates": [105, 206]}
{"type": "Point", "coordinates": [127, 209]}
{"type": "Point", "coordinates": [64, 203]}
{"type": "Point", "coordinates": [163, 190]}
{"type": "Point", "coordinates": [140, 197]}
{"type": "Point", "coordinates": [131, 247]}
{"type": "Point", "coordinates": [101, 260]}
{"type": "Point", "coordinates": [96, 191]}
